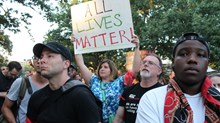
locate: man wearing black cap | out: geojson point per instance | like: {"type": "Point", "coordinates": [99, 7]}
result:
{"type": "Point", "coordinates": [60, 101]}
{"type": "Point", "coordinates": [73, 72]}
{"type": "Point", "coordinates": [189, 96]}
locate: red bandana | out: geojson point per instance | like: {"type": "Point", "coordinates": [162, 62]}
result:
{"type": "Point", "coordinates": [177, 108]}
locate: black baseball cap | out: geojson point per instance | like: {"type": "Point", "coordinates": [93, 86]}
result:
{"type": "Point", "coordinates": [191, 36]}
{"type": "Point", "coordinates": [55, 47]}
{"type": "Point", "coordinates": [73, 66]}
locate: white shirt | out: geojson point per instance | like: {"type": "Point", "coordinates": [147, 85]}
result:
{"type": "Point", "coordinates": [151, 106]}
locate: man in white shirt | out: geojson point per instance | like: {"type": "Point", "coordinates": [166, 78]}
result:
{"type": "Point", "coordinates": [189, 97]}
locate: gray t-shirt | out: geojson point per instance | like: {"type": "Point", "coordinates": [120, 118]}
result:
{"type": "Point", "coordinates": [13, 96]}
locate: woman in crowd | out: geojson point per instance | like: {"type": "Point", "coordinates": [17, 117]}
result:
{"type": "Point", "coordinates": [105, 84]}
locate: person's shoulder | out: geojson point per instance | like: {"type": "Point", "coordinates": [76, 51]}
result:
{"type": "Point", "coordinates": [81, 92]}
{"type": "Point", "coordinates": [132, 87]}
{"type": "Point", "coordinates": [16, 84]}
{"type": "Point", "coordinates": [154, 98]}
{"type": "Point", "coordinates": [119, 79]}
{"type": "Point", "coordinates": [157, 92]}
{"type": "Point", "coordinates": [1, 74]}
{"type": "Point", "coordinates": [41, 91]}
{"type": "Point", "coordinates": [17, 81]}
{"type": "Point", "coordinates": [94, 77]}
{"type": "Point", "coordinates": [159, 89]}
{"type": "Point", "coordinates": [80, 89]}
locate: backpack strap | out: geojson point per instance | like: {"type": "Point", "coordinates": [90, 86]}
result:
{"type": "Point", "coordinates": [71, 83]}
{"type": "Point", "coordinates": [66, 88]}
{"type": "Point", "coordinates": [25, 84]}
{"type": "Point", "coordinates": [30, 91]}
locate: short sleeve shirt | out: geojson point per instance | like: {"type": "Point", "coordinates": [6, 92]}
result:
{"type": "Point", "coordinates": [13, 96]}
{"type": "Point", "coordinates": [54, 106]}
{"type": "Point", "coordinates": [130, 100]}
{"type": "Point", "coordinates": [109, 94]}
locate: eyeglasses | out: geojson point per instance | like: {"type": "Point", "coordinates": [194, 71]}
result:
{"type": "Point", "coordinates": [35, 58]}
{"type": "Point", "coordinates": [150, 63]}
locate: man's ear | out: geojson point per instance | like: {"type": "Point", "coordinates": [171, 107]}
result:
{"type": "Point", "coordinates": [161, 72]}
{"type": "Point", "coordinates": [66, 64]}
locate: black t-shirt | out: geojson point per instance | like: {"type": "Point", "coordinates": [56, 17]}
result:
{"type": "Point", "coordinates": [5, 84]}
{"type": "Point", "coordinates": [130, 100]}
{"type": "Point", "coordinates": [76, 106]}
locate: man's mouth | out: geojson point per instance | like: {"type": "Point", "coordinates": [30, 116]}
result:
{"type": "Point", "coordinates": [192, 70]}
{"type": "Point", "coordinates": [43, 68]}
{"type": "Point", "coordinates": [144, 70]}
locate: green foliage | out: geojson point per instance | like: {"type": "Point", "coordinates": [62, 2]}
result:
{"type": "Point", "coordinates": [160, 26]}
{"type": "Point", "coordinates": [5, 43]}
{"type": "Point", "coordinates": [62, 34]}
{"type": "Point", "coordinates": [158, 23]}
{"type": "Point", "coordinates": [12, 18]}
{"type": "Point", "coordinates": [27, 67]}
{"type": "Point", "coordinates": [3, 61]}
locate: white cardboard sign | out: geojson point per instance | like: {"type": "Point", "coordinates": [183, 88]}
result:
{"type": "Point", "coordinates": [102, 25]}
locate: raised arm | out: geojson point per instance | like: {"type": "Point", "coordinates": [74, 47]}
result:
{"type": "Point", "coordinates": [137, 56]}
{"type": "Point", "coordinates": [85, 72]}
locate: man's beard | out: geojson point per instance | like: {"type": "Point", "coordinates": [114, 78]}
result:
{"type": "Point", "coordinates": [145, 74]}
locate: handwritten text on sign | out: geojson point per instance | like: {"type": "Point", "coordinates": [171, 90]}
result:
{"type": "Point", "coordinates": [102, 25]}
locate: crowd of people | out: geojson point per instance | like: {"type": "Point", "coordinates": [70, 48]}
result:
{"type": "Point", "coordinates": [60, 95]}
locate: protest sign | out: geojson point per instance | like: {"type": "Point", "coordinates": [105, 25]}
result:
{"type": "Point", "coordinates": [102, 25]}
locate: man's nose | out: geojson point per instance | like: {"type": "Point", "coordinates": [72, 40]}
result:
{"type": "Point", "coordinates": [192, 58]}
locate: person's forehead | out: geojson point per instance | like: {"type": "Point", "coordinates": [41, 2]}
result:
{"type": "Point", "coordinates": [105, 63]}
{"type": "Point", "coordinates": [192, 44]}
{"type": "Point", "coordinates": [46, 51]}
{"type": "Point", "coordinates": [151, 58]}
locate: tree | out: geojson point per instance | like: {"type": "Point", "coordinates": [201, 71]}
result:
{"type": "Point", "coordinates": [5, 47]}
{"type": "Point", "coordinates": [158, 23]}
{"type": "Point", "coordinates": [3, 61]}
{"type": "Point", "coordinates": [11, 19]}
{"type": "Point", "coordinates": [62, 34]}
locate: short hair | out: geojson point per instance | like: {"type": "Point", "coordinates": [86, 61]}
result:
{"type": "Point", "coordinates": [160, 62]}
{"type": "Point", "coordinates": [191, 36]}
{"type": "Point", "coordinates": [112, 66]}
{"type": "Point", "coordinates": [14, 64]}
